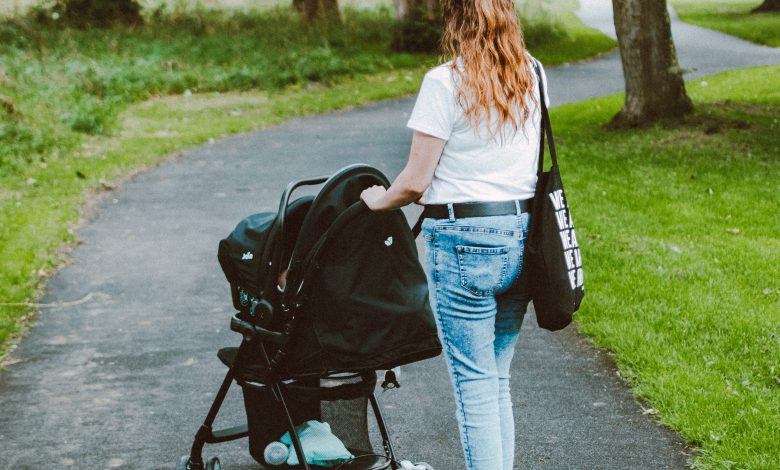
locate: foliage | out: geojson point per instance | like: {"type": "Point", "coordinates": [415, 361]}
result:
{"type": "Point", "coordinates": [732, 17]}
{"type": "Point", "coordinates": [418, 32]}
{"type": "Point", "coordinates": [62, 89]}
{"type": "Point", "coordinates": [92, 13]}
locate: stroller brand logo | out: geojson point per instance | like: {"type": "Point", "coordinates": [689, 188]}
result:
{"type": "Point", "coordinates": [389, 241]}
{"type": "Point", "coordinates": [248, 255]}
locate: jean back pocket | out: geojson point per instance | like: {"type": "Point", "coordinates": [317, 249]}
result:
{"type": "Point", "coordinates": [482, 269]}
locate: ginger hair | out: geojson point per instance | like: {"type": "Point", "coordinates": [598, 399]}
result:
{"type": "Point", "coordinates": [486, 36]}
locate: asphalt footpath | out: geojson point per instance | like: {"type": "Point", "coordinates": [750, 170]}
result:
{"type": "Point", "coordinates": [122, 373]}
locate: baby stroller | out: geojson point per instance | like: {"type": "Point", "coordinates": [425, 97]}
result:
{"type": "Point", "coordinates": [355, 302]}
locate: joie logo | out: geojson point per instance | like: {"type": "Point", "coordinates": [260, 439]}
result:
{"type": "Point", "coordinates": [389, 241]}
{"type": "Point", "coordinates": [247, 256]}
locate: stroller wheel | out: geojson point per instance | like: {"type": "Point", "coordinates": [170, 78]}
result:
{"type": "Point", "coordinates": [182, 465]}
{"type": "Point", "coordinates": [213, 464]}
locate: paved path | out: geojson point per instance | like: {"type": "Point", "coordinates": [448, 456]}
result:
{"type": "Point", "coordinates": [123, 380]}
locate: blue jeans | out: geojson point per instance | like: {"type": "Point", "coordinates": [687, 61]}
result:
{"type": "Point", "coordinates": [473, 265]}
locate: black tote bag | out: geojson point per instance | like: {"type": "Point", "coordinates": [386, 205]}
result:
{"type": "Point", "coordinates": [552, 265]}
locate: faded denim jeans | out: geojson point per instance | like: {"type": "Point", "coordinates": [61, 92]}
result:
{"type": "Point", "coordinates": [473, 265]}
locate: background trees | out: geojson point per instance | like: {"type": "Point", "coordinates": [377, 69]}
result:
{"type": "Point", "coordinates": [654, 82]}
{"type": "Point", "coordinates": [418, 27]}
{"type": "Point", "coordinates": [313, 10]}
{"type": "Point", "coordinates": [99, 12]}
{"type": "Point", "coordinates": [768, 5]}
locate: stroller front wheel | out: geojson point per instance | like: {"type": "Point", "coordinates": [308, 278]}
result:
{"type": "Point", "coordinates": [213, 464]}
{"type": "Point", "coordinates": [183, 461]}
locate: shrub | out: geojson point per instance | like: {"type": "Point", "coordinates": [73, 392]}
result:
{"type": "Point", "coordinates": [417, 33]}
{"type": "Point", "coordinates": [91, 115]}
{"type": "Point", "coordinates": [95, 13]}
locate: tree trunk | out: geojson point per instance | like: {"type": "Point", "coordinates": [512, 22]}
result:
{"type": "Point", "coordinates": [654, 83]}
{"type": "Point", "coordinates": [768, 5]}
{"type": "Point", "coordinates": [418, 28]}
{"type": "Point", "coordinates": [314, 10]}
{"type": "Point", "coordinates": [101, 13]}
{"type": "Point", "coordinates": [401, 9]}
{"type": "Point", "coordinates": [425, 8]}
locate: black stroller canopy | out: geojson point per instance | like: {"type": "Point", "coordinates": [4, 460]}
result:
{"type": "Point", "coordinates": [356, 297]}
{"type": "Point", "coordinates": [341, 191]}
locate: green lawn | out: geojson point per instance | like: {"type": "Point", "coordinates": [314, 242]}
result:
{"type": "Point", "coordinates": [680, 234]}
{"type": "Point", "coordinates": [81, 109]}
{"type": "Point", "coordinates": [678, 222]}
{"type": "Point", "coordinates": [732, 17]}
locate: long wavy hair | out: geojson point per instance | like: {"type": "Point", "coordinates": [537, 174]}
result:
{"type": "Point", "coordinates": [486, 36]}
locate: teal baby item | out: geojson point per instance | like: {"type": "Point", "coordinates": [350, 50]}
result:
{"type": "Point", "coordinates": [320, 445]}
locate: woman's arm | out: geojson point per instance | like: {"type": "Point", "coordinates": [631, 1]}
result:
{"type": "Point", "coordinates": [415, 178]}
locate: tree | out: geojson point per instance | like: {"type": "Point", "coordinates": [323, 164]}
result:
{"type": "Point", "coordinates": [101, 13]}
{"type": "Point", "coordinates": [418, 28]}
{"type": "Point", "coordinates": [654, 83]}
{"type": "Point", "coordinates": [768, 5]}
{"type": "Point", "coordinates": [314, 10]}
{"type": "Point", "coordinates": [428, 8]}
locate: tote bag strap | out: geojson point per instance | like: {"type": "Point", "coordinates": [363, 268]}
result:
{"type": "Point", "coordinates": [546, 125]}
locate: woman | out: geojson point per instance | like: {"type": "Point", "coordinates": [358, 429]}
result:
{"type": "Point", "coordinates": [476, 135]}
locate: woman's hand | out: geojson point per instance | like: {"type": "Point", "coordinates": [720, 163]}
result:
{"type": "Point", "coordinates": [372, 196]}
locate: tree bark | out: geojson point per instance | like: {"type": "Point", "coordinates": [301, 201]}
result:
{"type": "Point", "coordinates": [768, 5]}
{"type": "Point", "coordinates": [406, 8]}
{"type": "Point", "coordinates": [654, 84]}
{"type": "Point", "coordinates": [418, 28]}
{"type": "Point", "coordinates": [314, 10]}
{"type": "Point", "coordinates": [101, 13]}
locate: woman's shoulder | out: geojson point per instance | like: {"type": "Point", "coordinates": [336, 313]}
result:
{"type": "Point", "coordinates": [443, 73]}
{"type": "Point", "coordinates": [533, 60]}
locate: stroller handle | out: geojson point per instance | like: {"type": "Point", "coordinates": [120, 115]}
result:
{"type": "Point", "coordinates": [275, 262]}
{"type": "Point", "coordinates": [285, 201]}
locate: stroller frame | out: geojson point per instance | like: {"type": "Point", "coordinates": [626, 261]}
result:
{"type": "Point", "coordinates": [257, 335]}
{"type": "Point", "coordinates": [206, 434]}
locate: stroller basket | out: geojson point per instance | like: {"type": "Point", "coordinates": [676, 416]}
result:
{"type": "Point", "coordinates": [355, 302]}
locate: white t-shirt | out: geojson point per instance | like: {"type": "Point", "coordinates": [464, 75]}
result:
{"type": "Point", "coordinates": [473, 166]}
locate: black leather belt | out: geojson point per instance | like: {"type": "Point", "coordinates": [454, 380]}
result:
{"type": "Point", "coordinates": [476, 209]}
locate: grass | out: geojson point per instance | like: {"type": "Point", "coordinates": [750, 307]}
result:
{"type": "Point", "coordinates": [678, 222]}
{"type": "Point", "coordinates": [679, 231]}
{"type": "Point", "coordinates": [81, 109]}
{"type": "Point", "coordinates": [560, 14]}
{"type": "Point", "coordinates": [732, 17]}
